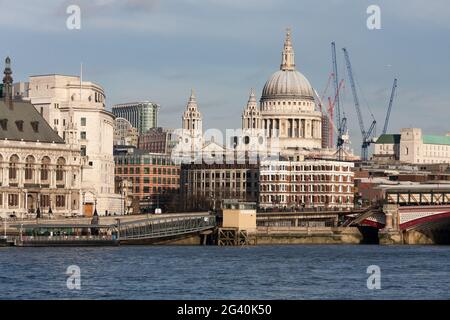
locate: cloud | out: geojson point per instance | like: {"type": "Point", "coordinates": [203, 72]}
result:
{"type": "Point", "coordinates": [222, 48]}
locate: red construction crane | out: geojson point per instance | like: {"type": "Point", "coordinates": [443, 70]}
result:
{"type": "Point", "coordinates": [330, 111]}
{"type": "Point", "coordinates": [330, 77]}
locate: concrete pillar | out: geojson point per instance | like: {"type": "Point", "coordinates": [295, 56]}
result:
{"type": "Point", "coordinates": [392, 218]}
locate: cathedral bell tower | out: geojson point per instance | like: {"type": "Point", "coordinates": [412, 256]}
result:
{"type": "Point", "coordinates": [192, 118]}
{"type": "Point", "coordinates": [192, 126]}
{"type": "Point", "coordinates": [251, 117]}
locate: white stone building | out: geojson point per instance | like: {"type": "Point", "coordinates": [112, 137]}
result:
{"type": "Point", "coordinates": [288, 111]}
{"type": "Point", "coordinates": [411, 146]}
{"type": "Point", "coordinates": [40, 174]}
{"type": "Point", "coordinates": [75, 109]}
{"type": "Point", "coordinates": [306, 184]}
{"type": "Point", "coordinates": [124, 133]}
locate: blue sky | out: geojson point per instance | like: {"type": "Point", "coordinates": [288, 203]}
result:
{"type": "Point", "coordinates": [159, 50]}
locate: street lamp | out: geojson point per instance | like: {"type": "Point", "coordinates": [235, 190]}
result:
{"type": "Point", "coordinates": [95, 208]}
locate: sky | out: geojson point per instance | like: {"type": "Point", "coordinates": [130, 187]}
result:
{"type": "Point", "coordinates": [158, 50]}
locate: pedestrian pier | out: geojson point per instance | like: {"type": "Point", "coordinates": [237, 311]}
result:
{"type": "Point", "coordinates": [141, 230]}
{"type": "Point", "coordinates": [156, 228]}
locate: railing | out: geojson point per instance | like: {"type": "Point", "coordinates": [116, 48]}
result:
{"type": "Point", "coordinates": [166, 226]}
{"type": "Point", "coordinates": [66, 238]}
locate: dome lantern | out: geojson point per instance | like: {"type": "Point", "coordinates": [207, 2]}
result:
{"type": "Point", "coordinates": [288, 56]}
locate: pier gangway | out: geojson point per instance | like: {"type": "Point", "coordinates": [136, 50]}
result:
{"type": "Point", "coordinates": [165, 226]}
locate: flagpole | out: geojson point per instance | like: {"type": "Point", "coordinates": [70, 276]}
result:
{"type": "Point", "coordinates": [81, 77]}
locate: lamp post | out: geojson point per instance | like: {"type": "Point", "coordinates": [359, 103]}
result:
{"type": "Point", "coordinates": [38, 210]}
{"type": "Point", "coordinates": [95, 207]}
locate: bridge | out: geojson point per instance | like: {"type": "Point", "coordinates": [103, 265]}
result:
{"type": "Point", "coordinates": [419, 213]}
{"type": "Point", "coordinates": [165, 228]}
{"type": "Point", "coordinates": [186, 228]}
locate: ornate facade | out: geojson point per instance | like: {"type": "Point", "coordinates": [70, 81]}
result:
{"type": "Point", "coordinates": [40, 175]}
{"type": "Point", "coordinates": [287, 108]}
{"type": "Point", "coordinates": [75, 109]}
{"type": "Point", "coordinates": [289, 114]}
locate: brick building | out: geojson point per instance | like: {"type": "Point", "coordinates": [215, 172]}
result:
{"type": "Point", "coordinates": [155, 178]}
{"type": "Point", "coordinates": [157, 140]}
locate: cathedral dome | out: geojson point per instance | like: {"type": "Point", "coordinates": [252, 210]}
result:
{"type": "Point", "coordinates": [287, 83]}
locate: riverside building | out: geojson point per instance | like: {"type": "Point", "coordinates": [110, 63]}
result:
{"type": "Point", "coordinates": [321, 184]}
{"type": "Point", "coordinates": [154, 177]}
{"type": "Point", "coordinates": [75, 109]}
{"type": "Point", "coordinates": [411, 146]}
{"type": "Point", "coordinates": [40, 173]}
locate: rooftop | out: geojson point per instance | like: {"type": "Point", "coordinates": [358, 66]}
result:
{"type": "Point", "coordinates": [434, 139]}
{"type": "Point", "coordinates": [389, 138]}
{"type": "Point", "coordinates": [23, 122]}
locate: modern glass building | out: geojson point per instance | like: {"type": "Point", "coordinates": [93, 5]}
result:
{"type": "Point", "coordinates": [142, 115]}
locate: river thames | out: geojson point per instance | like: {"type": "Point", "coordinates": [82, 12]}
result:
{"type": "Point", "coordinates": [209, 272]}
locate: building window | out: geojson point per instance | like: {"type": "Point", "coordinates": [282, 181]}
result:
{"type": "Point", "coordinates": [29, 168]}
{"type": "Point", "coordinates": [83, 151]}
{"type": "Point", "coordinates": [45, 200]}
{"type": "Point", "coordinates": [83, 135]}
{"type": "Point", "coordinates": [60, 169]}
{"type": "Point", "coordinates": [60, 201]}
{"type": "Point", "coordinates": [83, 122]}
{"type": "Point", "coordinates": [13, 200]}
{"type": "Point", "coordinates": [44, 168]}
{"type": "Point", "coordinates": [13, 167]}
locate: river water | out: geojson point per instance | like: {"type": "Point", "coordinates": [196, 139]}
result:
{"type": "Point", "coordinates": [210, 272]}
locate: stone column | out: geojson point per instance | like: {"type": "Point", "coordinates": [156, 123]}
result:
{"type": "Point", "coordinates": [20, 175]}
{"type": "Point", "coordinates": [52, 173]}
{"type": "Point", "coordinates": [391, 213]}
{"type": "Point", "coordinates": [308, 133]}
{"type": "Point", "coordinates": [69, 202]}
{"type": "Point", "coordinates": [5, 176]}
{"type": "Point", "coordinates": [391, 234]}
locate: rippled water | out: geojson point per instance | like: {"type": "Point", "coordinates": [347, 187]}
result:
{"type": "Point", "coordinates": [263, 272]}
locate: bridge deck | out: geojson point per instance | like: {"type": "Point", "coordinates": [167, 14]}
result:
{"type": "Point", "coordinates": [168, 226]}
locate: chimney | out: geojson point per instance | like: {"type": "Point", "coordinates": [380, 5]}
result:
{"type": "Point", "coordinates": [7, 83]}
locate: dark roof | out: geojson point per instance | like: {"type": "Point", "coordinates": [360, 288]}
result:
{"type": "Point", "coordinates": [24, 122]}
{"type": "Point", "coordinates": [389, 138]}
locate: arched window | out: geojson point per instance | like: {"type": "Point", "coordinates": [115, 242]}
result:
{"type": "Point", "coordinates": [44, 168]}
{"type": "Point", "coordinates": [13, 162]}
{"type": "Point", "coordinates": [60, 169]}
{"type": "Point", "coordinates": [29, 166]}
